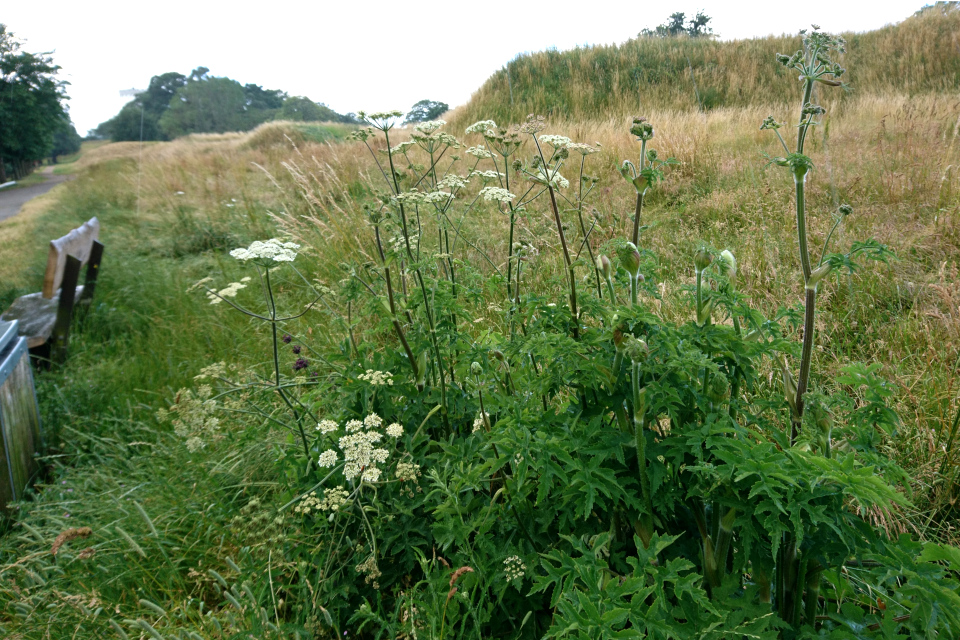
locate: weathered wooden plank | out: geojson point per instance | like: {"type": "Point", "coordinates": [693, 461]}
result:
{"type": "Point", "coordinates": [90, 279]}
{"type": "Point", "coordinates": [78, 243]}
{"type": "Point", "coordinates": [68, 292]}
{"type": "Point", "coordinates": [36, 315]}
{"type": "Point", "coordinates": [19, 419]}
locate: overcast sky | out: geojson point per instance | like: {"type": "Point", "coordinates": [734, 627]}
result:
{"type": "Point", "coordinates": [369, 55]}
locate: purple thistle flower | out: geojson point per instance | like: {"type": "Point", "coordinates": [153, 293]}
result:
{"type": "Point", "coordinates": [301, 363]}
{"type": "Point", "coordinates": [313, 374]}
{"type": "Point", "coordinates": [297, 348]}
{"type": "Point", "coordinates": [287, 339]}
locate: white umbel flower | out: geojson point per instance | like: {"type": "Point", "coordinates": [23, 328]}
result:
{"type": "Point", "coordinates": [327, 459]}
{"type": "Point", "coordinates": [395, 430]}
{"type": "Point", "coordinates": [496, 193]}
{"type": "Point", "coordinates": [272, 249]}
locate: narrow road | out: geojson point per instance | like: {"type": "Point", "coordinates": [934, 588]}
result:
{"type": "Point", "coordinates": [12, 198]}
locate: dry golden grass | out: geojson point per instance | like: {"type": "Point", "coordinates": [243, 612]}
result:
{"type": "Point", "coordinates": [914, 57]}
{"type": "Point", "coordinates": [892, 156]}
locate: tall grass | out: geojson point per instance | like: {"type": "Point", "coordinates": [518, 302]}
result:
{"type": "Point", "coordinates": [913, 57]}
{"type": "Point", "coordinates": [893, 157]}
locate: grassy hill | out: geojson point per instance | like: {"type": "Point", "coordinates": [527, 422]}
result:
{"type": "Point", "coordinates": [916, 56]}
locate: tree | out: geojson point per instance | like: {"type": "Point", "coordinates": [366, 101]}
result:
{"type": "Point", "coordinates": [146, 110]}
{"type": "Point", "coordinates": [66, 140]}
{"type": "Point", "coordinates": [205, 104]}
{"type": "Point", "coordinates": [677, 25]}
{"type": "Point", "coordinates": [425, 111]}
{"type": "Point", "coordinates": [31, 106]}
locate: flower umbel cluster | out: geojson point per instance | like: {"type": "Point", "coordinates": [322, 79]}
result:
{"type": "Point", "coordinates": [273, 249]}
{"type": "Point", "coordinates": [192, 416]}
{"type": "Point", "coordinates": [230, 291]}
{"type": "Point", "coordinates": [361, 456]}
{"type": "Point", "coordinates": [496, 193]}
{"type": "Point", "coordinates": [514, 568]}
{"type": "Point", "coordinates": [332, 500]}
{"type": "Point", "coordinates": [377, 378]}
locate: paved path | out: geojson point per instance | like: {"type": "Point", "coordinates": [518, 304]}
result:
{"type": "Point", "coordinates": [12, 198]}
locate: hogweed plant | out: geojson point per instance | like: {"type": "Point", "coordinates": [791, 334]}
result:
{"type": "Point", "coordinates": [564, 461]}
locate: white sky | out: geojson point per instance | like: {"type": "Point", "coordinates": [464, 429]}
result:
{"type": "Point", "coordinates": [373, 55]}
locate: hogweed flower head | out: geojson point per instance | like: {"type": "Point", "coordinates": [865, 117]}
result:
{"type": "Point", "coordinates": [377, 378]}
{"type": "Point", "coordinates": [482, 126]}
{"type": "Point", "coordinates": [496, 193]}
{"type": "Point", "coordinates": [262, 251]}
{"type": "Point", "coordinates": [327, 426]}
{"type": "Point", "coordinates": [429, 127]}
{"type": "Point", "coordinates": [641, 128]}
{"type": "Point", "coordinates": [534, 124]}
{"type": "Point", "coordinates": [514, 568]}
{"type": "Point", "coordinates": [395, 430]}
{"type": "Point", "coordinates": [479, 151]}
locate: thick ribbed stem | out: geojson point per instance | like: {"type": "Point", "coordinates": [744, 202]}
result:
{"type": "Point", "coordinates": [806, 355]}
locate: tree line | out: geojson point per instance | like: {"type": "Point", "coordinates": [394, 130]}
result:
{"type": "Point", "coordinates": [34, 122]}
{"type": "Point", "coordinates": [175, 105]}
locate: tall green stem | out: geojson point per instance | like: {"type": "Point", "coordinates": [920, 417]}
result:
{"type": "Point", "coordinates": [569, 263]}
{"type": "Point", "coordinates": [276, 367]}
{"type": "Point", "coordinates": [806, 355]}
{"type": "Point", "coordinates": [645, 528]}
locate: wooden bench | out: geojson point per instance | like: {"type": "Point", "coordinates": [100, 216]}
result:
{"type": "Point", "coordinates": [45, 317]}
{"type": "Point", "coordinates": [19, 417]}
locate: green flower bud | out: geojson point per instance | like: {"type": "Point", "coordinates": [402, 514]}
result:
{"type": "Point", "coordinates": [637, 350]}
{"type": "Point", "coordinates": [702, 260]}
{"type": "Point", "coordinates": [619, 339]}
{"type": "Point", "coordinates": [517, 164]}
{"type": "Point", "coordinates": [630, 258]}
{"type": "Point", "coordinates": [718, 389]}
{"type": "Point", "coordinates": [845, 210]}
{"type": "Point", "coordinates": [603, 264]}
{"type": "Point", "coordinates": [729, 265]}
{"type": "Point", "coordinates": [641, 128]}
{"type": "Point", "coordinates": [475, 368]}
{"type": "Point", "coordinates": [770, 123]}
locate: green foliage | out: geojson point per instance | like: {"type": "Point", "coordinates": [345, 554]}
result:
{"type": "Point", "coordinates": [66, 141]}
{"type": "Point", "coordinates": [425, 111]}
{"type": "Point", "coordinates": [206, 104]}
{"type": "Point", "coordinates": [176, 105]}
{"type": "Point", "coordinates": [31, 106]}
{"type": "Point", "coordinates": [677, 25]}
{"type": "Point", "coordinates": [576, 470]}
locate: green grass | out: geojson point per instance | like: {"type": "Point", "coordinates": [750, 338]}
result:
{"type": "Point", "coordinates": [144, 338]}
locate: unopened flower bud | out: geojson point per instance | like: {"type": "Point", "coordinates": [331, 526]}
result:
{"type": "Point", "coordinates": [845, 210]}
{"type": "Point", "coordinates": [517, 164]}
{"type": "Point", "coordinates": [619, 339]}
{"type": "Point", "coordinates": [603, 264]}
{"type": "Point", "coordinates": [497, 354]}
{"type": "Point", "coordinates": [729, 264]}
{"type": "Point", "coordinates": [630, 258]}
{"type": "Point", "coordinates": [475, 368]}
{"type": "Point", "coordinates": [702, 260]}
{"type": "Point", "coordinates": [641, 128]}
{"type": "Point", "coordinates": [637, 349]}
{"type": "Point", "coordinates": [718, 389]}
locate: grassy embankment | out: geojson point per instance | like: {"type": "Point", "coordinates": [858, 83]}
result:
{"type": "Point", "coordinates": [891, 155]}
{"type": "Point", "coordinates": [145, 338]}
